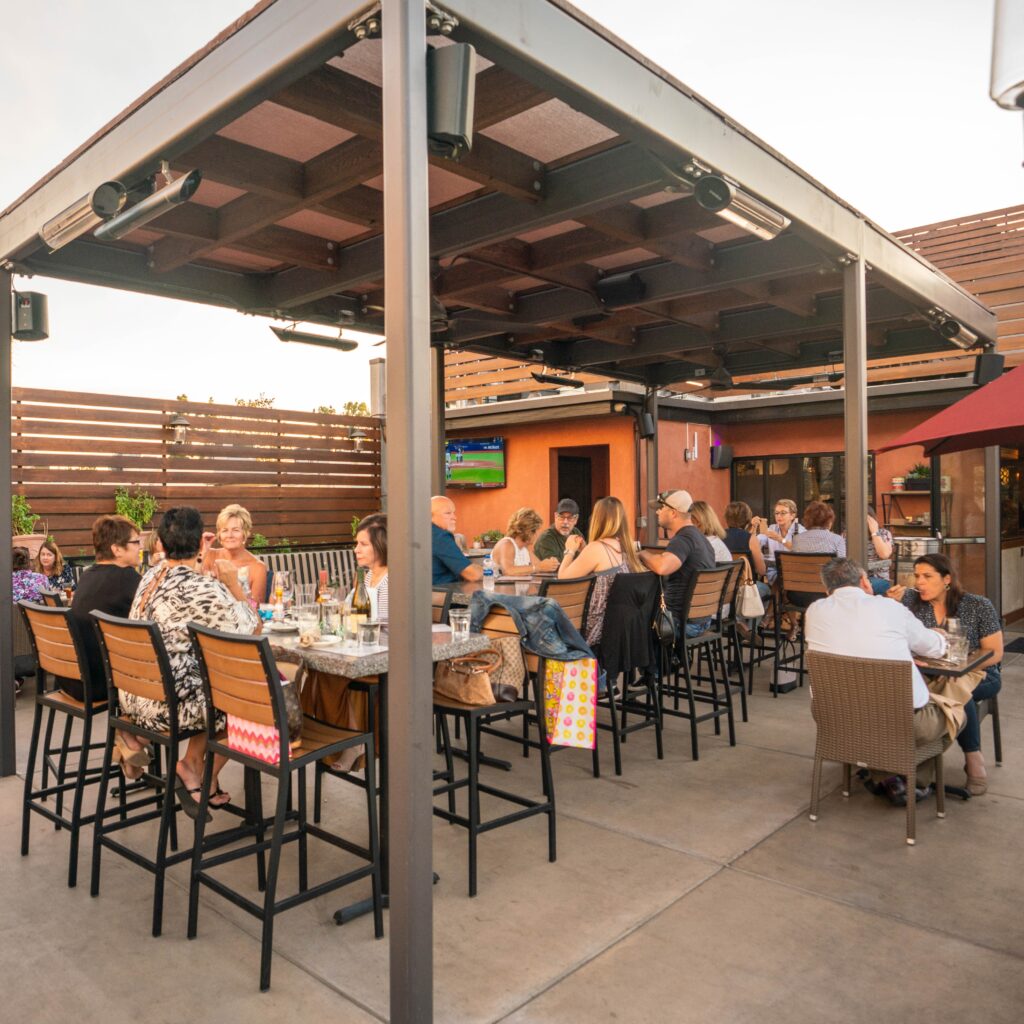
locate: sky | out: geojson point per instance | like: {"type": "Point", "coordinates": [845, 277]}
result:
{"type": "Point", "coordinates": [883, 101]}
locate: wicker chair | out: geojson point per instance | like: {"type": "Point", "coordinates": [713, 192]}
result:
{"type": "Point", "coordinates": [863, 708]}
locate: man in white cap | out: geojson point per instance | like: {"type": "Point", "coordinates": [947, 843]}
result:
{"type": "Point", "coordinates": [687, 552]}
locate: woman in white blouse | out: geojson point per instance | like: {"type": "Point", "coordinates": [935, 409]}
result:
{"type": "Point", "coordinates": [372, 555]}
{"type": "Point", "coordinates": [513, 554]}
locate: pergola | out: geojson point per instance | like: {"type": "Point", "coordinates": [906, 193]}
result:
{"type": "Point", "coordinates": [569, 235]}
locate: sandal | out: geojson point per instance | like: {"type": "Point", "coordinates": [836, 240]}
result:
{"type": "Point", "coordinates": [137, 757]}
{"type": "Point", "coordinates": [189, 804]}
{"type": "Point", "coordinates": [216, 793]}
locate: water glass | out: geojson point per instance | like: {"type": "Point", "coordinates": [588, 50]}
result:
{"type": "Point", "coordinates": [458, 619]}
{"type": "Point", "coordinates": [369, 634]}
{"type": "Point", "coordinates": [330, 617]}
{"type": "Point", "coordinates": [305, 593]}
{"type": "Point", "coordinates": [957, 649]}
{"type": "Point", "coordinates": [309, 619]}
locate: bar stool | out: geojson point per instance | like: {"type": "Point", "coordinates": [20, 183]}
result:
{"type": "Point", "coordinates": [57, 647]}
{"type": "Point", "coordinates": [241, 679]}
{"type": "Point", "coordinates": [136, 662]}
{"type": "Point", "coordinates": [799, 575]}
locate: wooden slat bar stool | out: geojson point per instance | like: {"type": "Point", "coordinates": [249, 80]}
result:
{"type": "Point", "coordinates": [136, 662]}
{"type": "Point", "coordinates": [798, 584]}
{"type": "Point", "coordinates": [703, 598]}
{"type": "Point", "coordinates": [241, 679]}
{"type": "Point", "coordinates": [58, 652]}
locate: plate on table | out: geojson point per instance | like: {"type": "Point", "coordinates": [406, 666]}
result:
{"type": "Point", "coordinates": [329, 641]}
{"type": "Point", "coordinates": [282, 627]}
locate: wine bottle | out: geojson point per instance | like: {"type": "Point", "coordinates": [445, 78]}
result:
{"type": "Point", "coordinates": [361, 611]}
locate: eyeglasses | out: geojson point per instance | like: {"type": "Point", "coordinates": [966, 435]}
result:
{"type": "Point", "coordinates": [136, 541]}
{"type": "Point", "coordinates": [568, 516]}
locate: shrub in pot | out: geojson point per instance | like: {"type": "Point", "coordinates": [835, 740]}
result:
{"type": "Point", "coordinates": [23, 526]}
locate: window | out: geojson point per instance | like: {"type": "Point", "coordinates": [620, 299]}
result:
{"type": "Point", "coordinates": [762, 481]}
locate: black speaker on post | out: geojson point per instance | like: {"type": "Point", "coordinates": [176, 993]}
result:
{"type": "Point", "coordinates": [988, 367]}
{"type": "Point", "coordinates": [31, 317]}
{"type": "Point", "coordinates": [721, 456]}
{"type": "Point", "coordinates": [451, 98]}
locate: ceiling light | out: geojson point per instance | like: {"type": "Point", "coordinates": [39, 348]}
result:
{"type": "Point", "coordinates": [729, 201]}
{"type": "Point", "coordinates": [307, 338]}
{"type": "Point", "coordinates": [554, 378]}
{"type": "Point", "coordinates": [177, 192]}
{"type": "Point", "coordinates": [85, 214]}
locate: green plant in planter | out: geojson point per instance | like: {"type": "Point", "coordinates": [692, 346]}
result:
{"type": "Point", "coordinates": [490, 537]}
{"type": "Point", "coordinates": [920, 470]}
{"type": "Point", "coordinates": [23, 519]}
{"type": "Point", "coordinates": [356, 520]}
{"type": "Point", "coordinates": [257, 541]}
{"type": "Point", "coordinates": [139, 507]}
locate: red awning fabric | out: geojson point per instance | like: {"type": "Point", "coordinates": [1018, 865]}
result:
{"type": "Point", "coordinates": [994, 414]}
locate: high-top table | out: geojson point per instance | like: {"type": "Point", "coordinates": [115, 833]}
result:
{"type": "Point", "coordinates": [462, 592]}
{"type": "Point", "coordinates": [353, 664]}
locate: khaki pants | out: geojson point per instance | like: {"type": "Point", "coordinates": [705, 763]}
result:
{"type": "Point", "coordinates": [929, 725]}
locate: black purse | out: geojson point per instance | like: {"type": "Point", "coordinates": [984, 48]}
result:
{"type": "Point", "coordinates": [664, 621]}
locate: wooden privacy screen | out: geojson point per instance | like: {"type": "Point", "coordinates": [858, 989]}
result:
{"type": "Point", "coordinates": [471, 377]}
{"type": "Point", "coordinates": [298, 473]}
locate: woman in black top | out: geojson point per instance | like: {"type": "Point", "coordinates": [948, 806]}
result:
{"type": "Point", "coordinates": [108, 585]}
{"type": "Point", "coordinates": [741, 540]}
{"type": "Point", "coordinates": [937, 597]}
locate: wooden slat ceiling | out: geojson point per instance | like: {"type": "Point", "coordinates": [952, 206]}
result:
{"type": "Point", "coordinates": [288, 220]}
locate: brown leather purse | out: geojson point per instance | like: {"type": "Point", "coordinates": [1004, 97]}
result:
{"type": "Point", "coordinates": [476, 679]}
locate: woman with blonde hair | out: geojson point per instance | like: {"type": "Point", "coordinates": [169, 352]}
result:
{"type": "Point", "coordinates": [705, 518]}
{"type": "Point", "coordinates": [610, 550]}
{"type": "Point", "coordinates": [50, 562]}
{"type": "Point", "coordinates": [513, 554]}
{"type": "Point", "coordinates": [234, 528]}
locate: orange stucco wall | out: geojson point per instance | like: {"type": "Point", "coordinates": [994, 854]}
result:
{"type": "Point", "coordinates": [529, 447]}
{"type": "Point", "coordinates": [528, 450]}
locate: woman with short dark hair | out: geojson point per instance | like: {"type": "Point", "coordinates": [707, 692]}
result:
{"type": "Point", "coordinates": [817, 536]}
{"type": "Point", "coordinates": [173, 594]}
{"type": "Point", "coordinates": [937, 597]}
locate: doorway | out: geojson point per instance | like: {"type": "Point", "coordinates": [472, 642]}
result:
{"type": "Point", "coordinates": [580, 473]}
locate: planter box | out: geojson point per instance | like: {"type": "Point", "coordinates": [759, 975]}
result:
{"type": "Point", "coordinates": [32, 541]}
{"type": "Point", "coordinates": [919, 483]}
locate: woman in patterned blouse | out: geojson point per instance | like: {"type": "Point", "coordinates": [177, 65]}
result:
{"type": "Point", "coordinates": [936, 597]}
{"type": "Point", "coordinates": [173, 594]}
{"type": "Point", "coordinates": [26, 584]}
{"type": "Point", "coordinates": [50, 562]}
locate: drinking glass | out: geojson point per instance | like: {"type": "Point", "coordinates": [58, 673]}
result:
{"type": "Point", "coordinates": [305, 593]}
{"type": "Point", "coordinates": [458, 619]}
{"type": "Point", "coordinates": [369, 634]}
{"type": "Point", "coordinates": [957, 649]}
{"type": "Point", "coordinates": [309, 619]}
{"type": "Point", "coordinates": [330, 617]}
{"type": "Point", "coordinates": [266, 612]}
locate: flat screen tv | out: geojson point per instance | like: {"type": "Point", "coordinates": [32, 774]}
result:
{"type": "Point", "coordinates": [475, 462]}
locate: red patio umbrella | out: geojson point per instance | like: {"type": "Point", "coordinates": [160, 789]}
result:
{"type": "Point", "coordinates": [994, 414]}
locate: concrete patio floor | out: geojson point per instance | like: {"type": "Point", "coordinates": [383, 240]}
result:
{"type": "Point", "coordinates": [683, 891]}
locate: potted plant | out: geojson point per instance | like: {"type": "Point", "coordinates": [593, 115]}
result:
{"type": "Point", "coordinates": [490, 537]}
{"type": "Point", "coordinates": [139, 507]}
{"type": "Point", "coordinates": [23, 526]}
{"type": "Point", "coordinates": [919, 477]}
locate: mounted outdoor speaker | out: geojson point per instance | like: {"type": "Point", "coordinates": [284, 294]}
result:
{"type": "Point", "coordinates": [31, 319]}
{"type": "Point", "coordinates": [619, 290]}
{"type": "Point", "coordinates": [451, 93]}
{"type": "Point", "coordinates": [646, 425]}
{"type": "Point", "coordinates": [988, 367]}
{"type": "Point", "coordinates": [721, 456]}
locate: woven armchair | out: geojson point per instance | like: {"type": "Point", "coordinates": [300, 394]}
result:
{"type": "Point", "coordinates": [863, 708]}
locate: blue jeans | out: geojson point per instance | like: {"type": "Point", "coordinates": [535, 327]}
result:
{"type": "Point", "coordinates": [970, 735]}
{"type": "Point", "coordinates": [696, 627]}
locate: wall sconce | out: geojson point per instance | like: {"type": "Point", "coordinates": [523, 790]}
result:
{"type": "Point", "coordinates": [358, 436]}
{"type": "Point", "coordinates": [179, 426]}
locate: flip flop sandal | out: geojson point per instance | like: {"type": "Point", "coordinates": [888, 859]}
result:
{"type": "Point", "coordinates": [218, 792]}
{"type": "Point", "coordinates": [189, 804]}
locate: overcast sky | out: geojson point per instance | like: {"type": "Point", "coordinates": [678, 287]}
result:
{"type": "Point", "coordinates": [883, 101]}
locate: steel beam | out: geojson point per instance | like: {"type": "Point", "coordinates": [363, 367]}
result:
{"type": "Point", "coordinates": [7, 739]}
{"type": "Point", "coordinates": [282, 43]}
{"type": "Point", "coordinates": [993, 530]}
{"type": "Point", "coordinates": [561, 51]}
{"type": "Point", "coordinates": [407, 279]}
{"type": "Point", "coordinates": [855, 409]}
{"type": "Point", "coordinates": [651, 532]}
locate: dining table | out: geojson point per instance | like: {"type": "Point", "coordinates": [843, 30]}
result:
{"type": "Point", "coordinates": [367, 666]}
{"type": "Point", "coordinates": [462, 591]}
{"type": "Point", "coordinates": [934, 667]}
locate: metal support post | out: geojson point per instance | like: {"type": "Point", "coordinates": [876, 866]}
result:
{"type": "Point", "coordinates": [407, 327]}
{"type": "Point", "coordinates": [651, 406]}
{"type": "Point", "coordinates": [993, 530]}
{"type": "Point", "coordinates": [437, 438]}
{"type": "Point", "coordinates": [7, 750]}
{"type": "Point", "coordinates": [855, 408]}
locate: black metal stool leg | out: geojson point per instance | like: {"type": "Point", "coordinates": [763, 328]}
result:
{"type": "Point", "coordinates": [62, 768]}
{"type": "Point", "coordinates": [30, 770]}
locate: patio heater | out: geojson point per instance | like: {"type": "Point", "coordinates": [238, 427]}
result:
{"type": "Point", "coordinates": [1007, 84]}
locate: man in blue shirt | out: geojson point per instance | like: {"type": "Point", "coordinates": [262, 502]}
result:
{"type": "Point", "coordinates": [449, 564]}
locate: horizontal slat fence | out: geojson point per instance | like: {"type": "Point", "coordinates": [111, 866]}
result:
{"type": "Point", "coordinates": [298, 473]}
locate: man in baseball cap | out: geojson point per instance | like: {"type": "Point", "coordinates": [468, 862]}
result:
{"type": "Point", "coordinates": [688, 551]}
{"type": "Point", "coordinates": [551, 543]}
